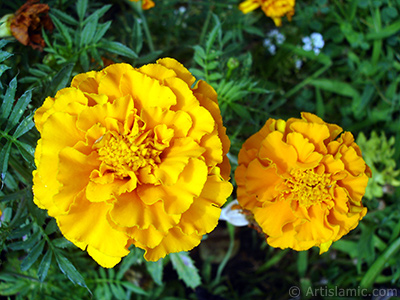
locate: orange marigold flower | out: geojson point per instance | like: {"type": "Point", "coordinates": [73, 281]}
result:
{"type": "Point", "coordinates": [146, 4]}
{"type": "Point", "coordinates": [27, 24]}
{"type": "Point", "coordinates": [303, 185]}
{"type": "Point", "coordinates": [132, 156]}
{"type": "Point", "coordinates": [274, 9]}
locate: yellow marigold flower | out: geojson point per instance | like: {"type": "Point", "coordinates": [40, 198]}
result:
{"type": "Point", "coordinates": [303, 185]}
{"type": "Point", "coordinates": [132, 156]}
{"type": "Point", "coordinates": [275, 9]}
{"type": "Point", "coordinates": [146, 4]}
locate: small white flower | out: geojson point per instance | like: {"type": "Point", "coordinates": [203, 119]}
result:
{"type": "Point", "coordinates": [182, 9]}
{"type": "Point", "coordinates": [317, 40]}
{"type": "Point", "coordinates": [280, 38]}
{"type": "Point", "coordinates": [307, 43]}
{"type": "Point", "coordinates": [267, 42]}
{"type": "Point", "coordinates": [273, 33]}
{"type": "Point", "coordinates": [233, 216]}
{"type": "Point", "coordinates": [298, 63]}
{"type": "Point", "coordinates": [314, 42]}
{"type": "Point", "coordinates": [270, 46]}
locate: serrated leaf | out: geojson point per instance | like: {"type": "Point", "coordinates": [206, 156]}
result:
{"type": "Point", "coordinates": [88, 31]}
{"type": "Point", "coordinates": [26, 150]}
{"type": "Point", "coordinates": [215, 32]}
{"type": "Point", "coordinates": [199, 74]}
{"type": "Point", "coordinates": [62, 16]}
{"type": "Point", "coordinates": [63, 29]}
{"type": "Point", "coordinates": [118, 48]}
{"type": "Point", "coordinates": [4, 55]}
{"type": "Point", "coordinates": [137, 36]}
{"type": "Point", "coordinates": [185, 268]}
{"type": "Point", "coordinates": [134, 288]}
{"type": "Point", "coordinates": [4, 42]}
{"type": "Point", "coordinates": [101, 31]}
{"type": "Point", "coordinates": [155, 268]}
{"type": "Point", "coordinates": [4, 157]}
{"type": "Point", "coordinates": [8, 100]}
{"type": "Point", "coordinates": [3, 68]}
{"type": "Point", "coordinates": [97, 14]}
{"type": "Point", "coordinates": [23, 127]}
{"type": "Point", "coordinates": [254, 30]}
{"type": "Point", "coordinates": [215, 76]}
{"type": "Point", "coordinates": [18, 233]}
{"type": "Point", "coordinates": [18, 110]}
{"type": "Point", "coordinates": [212, 65]}
{"type": "Point", "coordinates": [199, 60]}
{"type": "Point", "coordinates": [96, 56]}
{"type": "Point", "coordinates": [200, 51]}
{"type": "Point", "coordinates": [32, 256]}
{"type": "Point", "coordinates": [84, 60]}
{"type": "Point", "coordinates": [38, 73]}
{"type": "Point", "coordinates": [70, 271]}
{"type": "Point", "coordinates": [51, 227]}
{"type": "Point", "coordinates": [44, 265]}
{"type": "Point", "coordinates": [13, 288]}
{"type": "Point", "coordinates": [117, 291]}
{"type": "Point", "coordinates": [27, 244]}
{"type": "Point", "coordinates": [61, 79]}
{"type": "Point", "coordinates": [61, 243]}
{"type": "Point", "coordinates": [81, 6]}
{"type": "Point", "coordinates": [241, 111]}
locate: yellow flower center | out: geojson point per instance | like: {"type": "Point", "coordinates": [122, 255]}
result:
{"type": "Point", "coordinates": [124, 154]}
{"type": "Point", "coordinates": [309, 188]}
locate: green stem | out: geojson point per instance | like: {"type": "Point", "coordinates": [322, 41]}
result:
{"type": "Point", "coordinates": [137, 7]}
{"type": "Point", "coordinates": [379, 264]}
{"type": "Point", "coordinates": [205, 26]}
{"type": "Point", "coordinates": [147, 31]}
{"type": "Point", "coordinates": [306, 81]}
{"type": "Point", "coordinates": [20, 208]}
{"type": "Point", "coordinates": [231, 230]}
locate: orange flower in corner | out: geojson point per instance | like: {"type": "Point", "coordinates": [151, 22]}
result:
{"type": "Point", "coordinates": [274, 9]}
{"type": "Point", "coordinates": [146, 4]}
{"type": "Point", "coordinates": [302, 183]}
{"type": "Point", "coordinates": [132, 156]}
{"type": "Point", "coordinates": [27, 23]}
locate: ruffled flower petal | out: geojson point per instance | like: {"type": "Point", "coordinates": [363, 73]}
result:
{"type": "Point", "coordinates": [174, 241]}
{"type": "Point", "coordinates": [132, 157]}
{"type": "Point", "coordinates": [302, 184]}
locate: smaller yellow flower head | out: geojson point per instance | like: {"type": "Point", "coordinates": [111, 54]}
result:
{"type": "Point", "coordinates": [132, 156]}
{"type": "Point", "coordinates": [146, 4]}
{"type": "Point", "coordinates": [302, 183]}
{"type": "Point", "coordinates": [275, 9]}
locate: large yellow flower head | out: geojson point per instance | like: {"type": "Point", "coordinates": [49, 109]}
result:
{"type": "Point", "coordinates": [302, 183]}
{"type": "Point", "coordinates": [275, 9]}
{"type": "Point", "coordinates": [132, 156]}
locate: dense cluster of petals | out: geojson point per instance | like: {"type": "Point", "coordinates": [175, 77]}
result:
{"type": "Point", "coordinates": [275, 9]}
{"type": "Point", "coordinates": [302, 183]}
{"type": "Point", "coordinates": [132, 156]}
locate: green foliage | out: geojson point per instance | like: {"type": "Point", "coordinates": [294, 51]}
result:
{"type": "Point", "coordinates": [378, 153]}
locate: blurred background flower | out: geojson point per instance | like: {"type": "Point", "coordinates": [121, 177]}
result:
{"type": "Point", "coordinates": [27, 23]}
{"type": "Point", "coordinates": [275, 9]}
